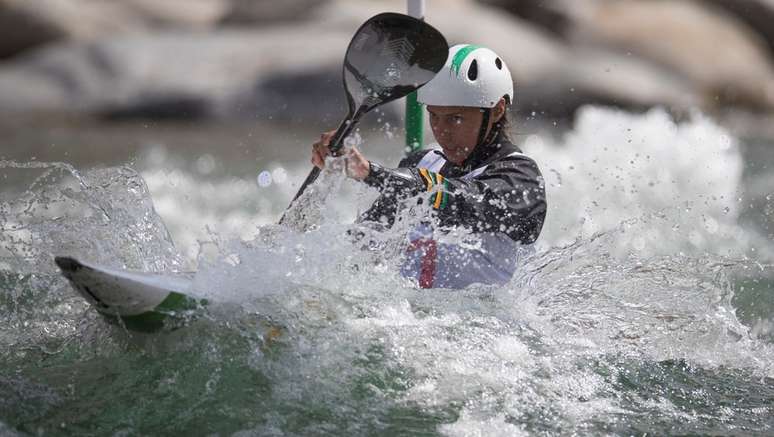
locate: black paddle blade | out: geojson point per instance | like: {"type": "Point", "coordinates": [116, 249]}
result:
{"type": "Point", "coordinates": [390, 56]}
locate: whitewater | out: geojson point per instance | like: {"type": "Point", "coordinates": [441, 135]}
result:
{"type": "Point", "coordinates": [647, 306]}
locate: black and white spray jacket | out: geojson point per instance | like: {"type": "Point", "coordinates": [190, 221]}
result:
{"type": "Point", "coordinates": [497, 193]}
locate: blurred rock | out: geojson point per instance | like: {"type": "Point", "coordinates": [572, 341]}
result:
{"type": "Point", "coordinates": [556, 16]}
{"type": "Point", "coordinates": [292, 72]}
{"type": "Point", "coordinates": [601, 77]}
{"type": "Point", "coordinates": [551, 78]}
{"type": "Point", "coordinates": [26, 24]}
{"type": "Point", "coordinates": [181, 74]}
{"type": "Point", "coordinates": [269, 12]}
{"type": "Point", "coordinates": [723, 57]}
{"type": "Point", "coordinates": [554, 79]}
{"type": "Point", "coordinates": [758, 14]}
{"type": "Point", "coordinates": [23, 28]}
{"type": "Point", "coordinates": [548, 14]}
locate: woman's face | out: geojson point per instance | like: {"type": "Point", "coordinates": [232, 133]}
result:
{"type": "Point", "coordinates": [456, 129]}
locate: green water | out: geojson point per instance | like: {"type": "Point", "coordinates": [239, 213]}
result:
{"type": "Point", "coordinates": [209, 380]}
{"type": "Point", "coordinates": [581, 342]}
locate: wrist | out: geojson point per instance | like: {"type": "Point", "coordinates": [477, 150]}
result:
{"type": "Point", "coordinates": [376, 175]}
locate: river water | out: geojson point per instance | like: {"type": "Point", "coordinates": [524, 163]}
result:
{"type": "Point", "coordinates": [648, 306]}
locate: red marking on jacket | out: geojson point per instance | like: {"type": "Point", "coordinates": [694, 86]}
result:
{"type": "Point", "coordinates": [427, 264]}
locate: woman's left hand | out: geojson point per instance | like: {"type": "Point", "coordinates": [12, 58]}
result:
{"type": "Point", "coordinates": [358, 167]}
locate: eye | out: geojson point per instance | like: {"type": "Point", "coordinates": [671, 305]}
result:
{"type": "Point", "coordinates": [499, 64]}
{"type": "Point", "coordinates": [457, 119]}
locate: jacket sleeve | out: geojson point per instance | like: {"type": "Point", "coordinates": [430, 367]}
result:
{"type": "Point", "coordinates": [508, 196]}
{"type": "Point", "coordinates": [384, 209]}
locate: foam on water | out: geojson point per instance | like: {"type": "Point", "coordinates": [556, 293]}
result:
{"type": "Point", "coordinates": [626, 312]}
{"type": "Point", "coordinates": [197, 211]}
{"type": "Point", "coordinates": [680, 180]}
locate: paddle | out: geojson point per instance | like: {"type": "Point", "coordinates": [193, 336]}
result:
{"type": "Point", "coordinates": [390, 56]}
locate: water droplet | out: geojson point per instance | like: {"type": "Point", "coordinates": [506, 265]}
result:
{"type": "Point", "coordinates": [279, 175]}
{"type": "Point", "coordinates": [711, 225]}
{"type": "Point", "coordinates": [205, 164]}
{"type": "Point", "coordinates": [264, 179]}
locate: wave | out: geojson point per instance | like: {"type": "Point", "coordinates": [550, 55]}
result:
{"type": "Point", "coordinates": [642, 309]}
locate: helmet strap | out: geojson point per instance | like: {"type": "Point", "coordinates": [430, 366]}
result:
{"type": "Point", "coordinates": [484, 126]}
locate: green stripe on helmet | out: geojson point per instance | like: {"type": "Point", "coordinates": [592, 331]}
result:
{"type": "Point", "coordinates": [460, 56]}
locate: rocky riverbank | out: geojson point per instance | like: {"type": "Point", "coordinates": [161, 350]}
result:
{"type": "Point", "coordinates": [194, 59]}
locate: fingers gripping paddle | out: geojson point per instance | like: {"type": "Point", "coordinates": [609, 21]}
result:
{"type": "Point", "coordinates": [390, 56]}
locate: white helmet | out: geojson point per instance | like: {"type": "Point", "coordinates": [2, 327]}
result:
{"type": "Point", "coordinates": [473, 76]}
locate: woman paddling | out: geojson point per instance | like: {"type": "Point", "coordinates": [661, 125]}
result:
{"type": "Point", "coordinates": [479, 180]}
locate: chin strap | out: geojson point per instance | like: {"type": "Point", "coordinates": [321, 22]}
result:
{"type": "Point", "coordinates": [484, 125]}
{"type": "Point", "coordinates": [483, 138]}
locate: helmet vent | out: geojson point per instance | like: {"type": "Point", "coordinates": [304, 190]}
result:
{"type": "Point", "coordinates": [473, 70]}
{"type": "Point", "coordinates": [499, 64]}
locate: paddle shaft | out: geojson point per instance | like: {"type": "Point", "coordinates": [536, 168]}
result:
{"type": "Point", "coordinates": [335, 146]}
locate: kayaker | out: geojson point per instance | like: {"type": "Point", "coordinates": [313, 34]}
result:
{"type": "Point", "coordinates": [478, 180]}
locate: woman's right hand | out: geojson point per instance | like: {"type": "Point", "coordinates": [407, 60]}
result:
{"type": "Point", "coordinates": [320, 149]}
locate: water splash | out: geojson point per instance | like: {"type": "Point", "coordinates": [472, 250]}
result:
{"type": "Point", "coordinates": [614, 166]}
{"type": "Point", "coordinates": [62, 205]}
{"type": "Point", "coordinates": [105, 215]}
{"type": "Point", "coordinates": [596, 334]}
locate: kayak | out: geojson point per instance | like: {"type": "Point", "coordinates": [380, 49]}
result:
{"type": "Point", "coordinates": [139, 301]}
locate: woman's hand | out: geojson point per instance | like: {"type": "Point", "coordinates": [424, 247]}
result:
{"type": "Point", "coordinates": [320, 149]}
{"type": "Point", "coordinates": [357, 166]}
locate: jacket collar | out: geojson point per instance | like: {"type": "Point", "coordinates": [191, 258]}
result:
{"type": "Point", "coordinates": [482, 153]}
